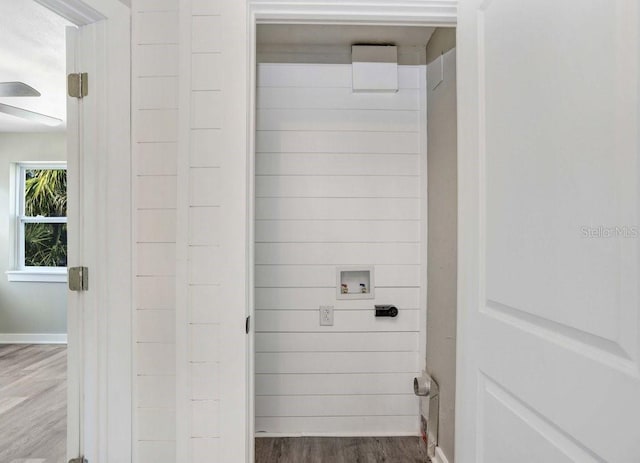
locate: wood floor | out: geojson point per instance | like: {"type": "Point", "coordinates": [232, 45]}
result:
{"type": "Point", "coordinates": [340, 450]}
{"type": "Point", "coordinates": [33, 403]}
{"type": "Point", "coordinates": [33, 420]}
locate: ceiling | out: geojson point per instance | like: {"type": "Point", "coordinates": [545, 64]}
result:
{"type": "Point", "coordinates": [341, 35]}
{"type": "Point", "coordinates": [32, 50]}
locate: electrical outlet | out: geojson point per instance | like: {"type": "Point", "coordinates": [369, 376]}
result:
{"type": "Point", "coordinates": [326, 315]}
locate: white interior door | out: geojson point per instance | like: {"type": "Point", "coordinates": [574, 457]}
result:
{"type": "Point", "coordinates": [549, 184]}
{"type": "Point", "coordinates": [77, 244]}
{"type": "Point", "coordinates": [83, 341]}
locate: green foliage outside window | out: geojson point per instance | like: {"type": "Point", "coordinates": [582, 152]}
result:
{"type": "Point", "coordinates": [45, 196]}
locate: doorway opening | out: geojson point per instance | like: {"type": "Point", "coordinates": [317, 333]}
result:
{"type": "Point", "coordinates": [98, 166]}
{"type": "Point", "coordinates": [33, 193]}
{"type": "Point", "coordinates": [341, 219]}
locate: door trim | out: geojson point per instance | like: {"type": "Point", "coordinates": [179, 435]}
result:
{"type": "Point", "coordinates": [387, 13]}
{"type": "Point", "coordinates": [107, 384]}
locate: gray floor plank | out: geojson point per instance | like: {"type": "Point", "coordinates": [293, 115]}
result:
{"type": "Point", "coordinates": [33, 403]}
{"type": "Point", "coordinates": [340, 450]}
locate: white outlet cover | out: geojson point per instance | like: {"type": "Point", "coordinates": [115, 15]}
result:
{"type": "Point", "coordinates": [326, 315]}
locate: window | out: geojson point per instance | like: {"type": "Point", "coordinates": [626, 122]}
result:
{"type": "Point", "coordinates": [40, 222]}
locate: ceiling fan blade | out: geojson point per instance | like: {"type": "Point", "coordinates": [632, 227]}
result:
{"type": "Point", "coordinates": [17, 89]}
{"type": "Point", "coordinates": [29, 115]}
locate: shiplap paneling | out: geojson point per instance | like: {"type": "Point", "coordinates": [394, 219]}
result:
{"type": "Point", "coordinates": [158, 93]}
{"type": "Point", "coordinates": [360, 231]}
{"type": "Point", "coordinates": [392, 209]}
{"type": "Point", "coordinates": [335, 362]}
{"type": "Point", "coordinates": [155, 392]}
{"type": "Point", "coordinates": [338, 182]}
{"type": "Point", "coordinates": [307, 321]}
{"type": "Point", "coordinates": [335, 98]}
{"type": "Point", "coordinates": [338, 120]}
{"type": "Point", "coordinates": [155, 292]}
{"type": "Point", "coordinates": [203, 151]}
{"type": "Point", "coordinates": [156, 451]}
{"type": "Point", "coordinates": [337, 142]}
{"type": "Point", "coordinates": [324, 276]}
{"type": "Point", "coordinates": [156, 192]}
{"type": "Point", "coordinates": [156, 226]}
{"type": "Point", "coordinates": [205, 449]}
{"type": "Point", "coordinates": [337, 186]}
{"type": "Point", "coordinates": [325, 75]}
{"type": "Point", "coordinates": [339, 425]}
{"type": "Point", "coordinates": [343, 384]}
{"type": "Point", "coordinates": [155, 60]}
{"type": "Point", "coordinates": [156, 158]}
{"type": "Point", "coordinates": [156, 359]}
{"type": "Point", "coordinates": [156, 27]}
{"type": "Point", "coordinates": [157, 424]}
{"type": "Point", "coordinates": [311, 298]}
{"type": "Point", "coordinates": [339, 253]}
{"type": "Point", "coordinates": [155, 152]}
{"type": "Point", "coordinates": [335, 342]}
{"type": "Point", "coordinates": [156, 326]}
{"type": "Point", "coordinates": [336, 164]}
{"type": "Point", "coordinates": [337, 405]}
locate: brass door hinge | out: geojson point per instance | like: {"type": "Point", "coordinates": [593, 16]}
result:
{"type": "Point", "coordinates": [78, 278]}
{"type": "Point", "coordinates": [78, 84]}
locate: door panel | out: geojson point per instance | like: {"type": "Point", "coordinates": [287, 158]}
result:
{"type": "Point", "coordinates": [74, 360]}
{"type": "Point", "coordinates": [549, 258]}
{"type": "Point", "coordinates": [83, 152]}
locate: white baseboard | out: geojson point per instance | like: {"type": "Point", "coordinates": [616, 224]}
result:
{"type": "Point", "coordinates": [440, 457]}
{"type": "Point", "coordinates": [338, 434]}
{"type": "Point", "coordinates": [33, 338]}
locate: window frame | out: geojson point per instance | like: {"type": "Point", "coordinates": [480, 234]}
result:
{"type": "Point", "coordinates": [22, 272]}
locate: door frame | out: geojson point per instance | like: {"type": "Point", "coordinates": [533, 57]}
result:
{"type": "Point", "coordinates": [99, 414]}
{"type": "Point", "coordinates": [387, 13]}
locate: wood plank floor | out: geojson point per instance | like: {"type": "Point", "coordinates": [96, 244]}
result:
{"type": "Point", "coordinates": [340, 450]}
{"type": "Point", "coordinates": [33, 403]}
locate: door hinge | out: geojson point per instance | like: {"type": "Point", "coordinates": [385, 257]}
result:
{"type": "Point", "coordinates": [79, 460]}
{"type": "Point", "coordinates": [78, 278]}
{"type": "Point", "coordinates": [247, 325]}
{"type": "Point", "coordinates": [78, 84]}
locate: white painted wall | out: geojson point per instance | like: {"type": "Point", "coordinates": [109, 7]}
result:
{"type": "Point", "coordinates": [26, 307]}
{"type": "Point", "coordinates": [442, 236]}
{"type": "Point", "coordinates": [212, 253]}
{"type": "Point", "coordinates": [155, 127]}
{"type": "Point", "coordinates": [190, 74]}
{"type": "Point", "coordinates": [338, 182]}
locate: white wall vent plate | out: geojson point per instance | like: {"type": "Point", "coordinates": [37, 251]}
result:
{"type": "Point", "coordinates": [375, 68]}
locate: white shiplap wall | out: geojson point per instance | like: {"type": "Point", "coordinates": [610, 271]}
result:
{"type": "Point", "coordinates": [339, 181]}
{"type": "Point", "coordinates": [155, 148]}
{"type": "Point", "coordinates": [211, 354]}
{"type": "Point", "coordinates": [184, 52]}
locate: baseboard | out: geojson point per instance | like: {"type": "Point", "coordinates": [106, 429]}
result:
{"type": "Point", "coordinates": [440, 457]}
{"type": "Point", "coordinates": [33, 338]}
{"type": "Point", "coordinates": [337, 434]}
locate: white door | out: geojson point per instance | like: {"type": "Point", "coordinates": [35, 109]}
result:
{"type": "Point", "coordinates": [82, 151]}
{"type": "Point", "coordinates": [549, 191]}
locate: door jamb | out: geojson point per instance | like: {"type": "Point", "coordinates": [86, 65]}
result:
{"type": "Point", "coordinates": [107, 391]}
{"type": "Point", "coordinates": [428, 13]}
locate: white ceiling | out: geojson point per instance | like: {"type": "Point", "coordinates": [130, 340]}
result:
{"type": "Point", "coordinates": [32, 50]}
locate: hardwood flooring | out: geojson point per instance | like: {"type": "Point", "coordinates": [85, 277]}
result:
{"type": "Point", "coordinates": [340, 450]}
{"type": "Point", "coordinates": [33, 403]}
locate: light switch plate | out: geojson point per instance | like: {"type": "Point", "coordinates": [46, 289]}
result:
{"type": "Point", "coordinates": [326, 315]}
